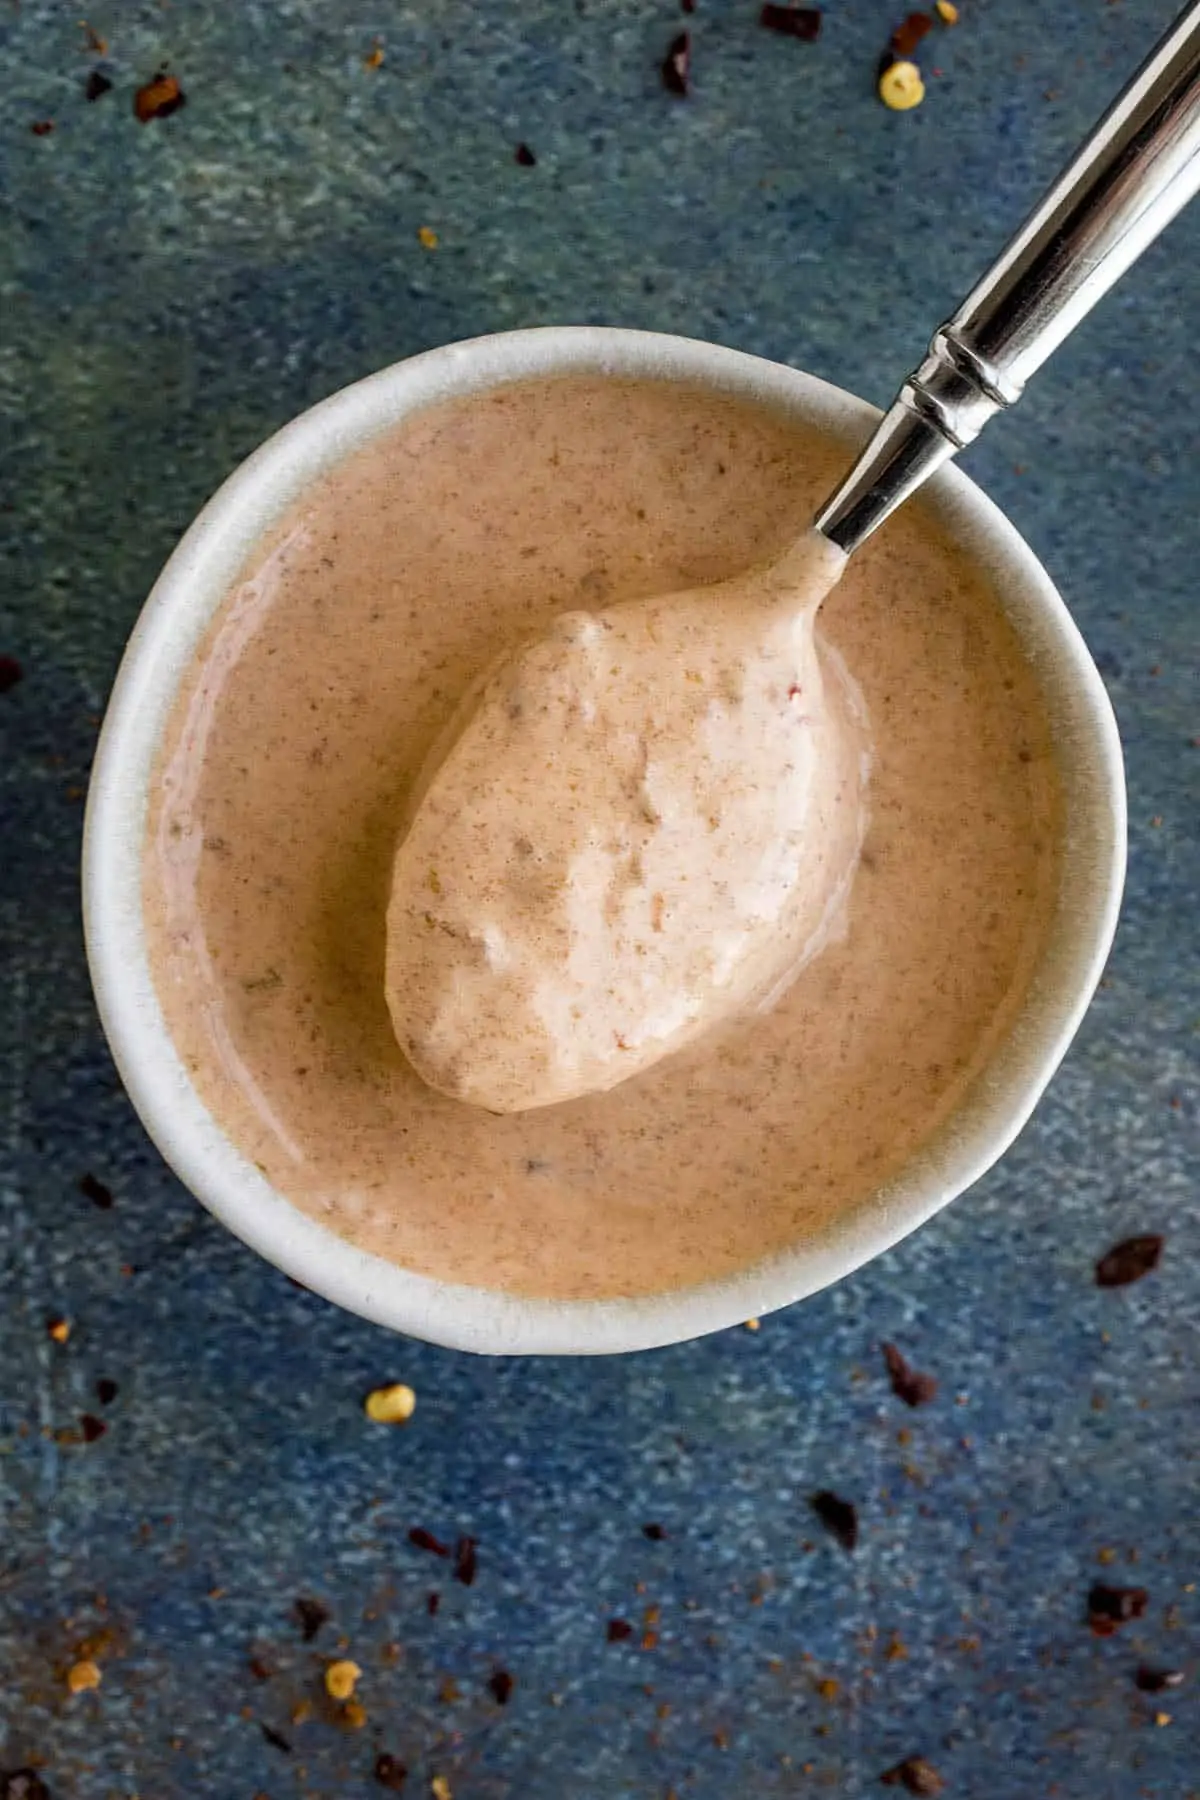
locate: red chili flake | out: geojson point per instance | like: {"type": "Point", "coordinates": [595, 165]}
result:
{"type": "Point", "coordinates": [1157, 1681]}
{"type": "Point", "coordinates": [524, 155]}
{"type": "Point", "coordinates": [275, 1738]}
{"type": "Point", "coordinates": [687, 6]}
{"type": "Point", "coordinates": [465, 1561]}
{"type": "Point", "coordinates": [92, 39]}
{"type": "Point", "coordinates": [915, 1776]}
{"type": "Point", "coordinates": [42, 127]}
{"type": "Point", "coordinates": [261, 1671]}
{"type": "Point", "coordinates": [91, 1427]}
{"type": "Point", "coordinates": [106, 1391]}
{"type": "Point", "coordinates": [390, 1772]}
{"type": "Point", "coordinates": [159, 98]}
{"type": "Point", "coordinates": [425, 1540]}
{"type": "Point", "coordinates": [803, 22]}
{"type": "Point", "coordinates": [23, 1784]}
{"type": "Point", "coordinates": [908, 1384]}
{"type": "Point", "coordinates": [1110, 1607]}
{"type": "Point", "coordinates": [432, 1604]}
{"type": "Point", "coordinates": [656, 1533]}
{"type": "Point", "coordinates": [10, 673]}
{"type": "Point", "coordinates": [907, 36]}
{"type": "Point", "coordinates": [94, 1190]}
{"type": "Point", "coordinates": [311, 1615]}
{"type": "Point", "coordinates": [838, 1516]}
{"type": "Point", "coordinates": [677, 65]}
{"type": "Point", "coordinates": [500, 1686]}
{"type": "Point", "coordinates": [1129, 1261]}
{"type": "Point", "coordinates": [96, 85]}
{"type": "Point", "coordinates": [619, 1631]}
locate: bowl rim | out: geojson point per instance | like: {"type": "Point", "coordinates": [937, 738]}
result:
{"type": "Point", "coordinates": [191, 587]}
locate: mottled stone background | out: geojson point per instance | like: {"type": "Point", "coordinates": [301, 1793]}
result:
{"type": "Point", "coordinates": [173, 292]}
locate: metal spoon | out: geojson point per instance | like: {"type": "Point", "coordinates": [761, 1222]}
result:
{"type": "Point", "coordinates": [1139, 167]}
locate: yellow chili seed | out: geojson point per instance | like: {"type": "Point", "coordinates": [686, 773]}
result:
{"type": "Point", "coordinates": [901, 87]}
{"type": "Point", "coordinates": [340, 1678]}
{"type": "Point", "coordinates": [390, 1405]}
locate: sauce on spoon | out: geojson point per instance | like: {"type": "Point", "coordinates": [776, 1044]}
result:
{"type": "Point", "coordinates": [636, 826]}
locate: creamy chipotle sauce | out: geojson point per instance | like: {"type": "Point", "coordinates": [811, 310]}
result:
{"type": "Point", "coordinates": [288, 772]}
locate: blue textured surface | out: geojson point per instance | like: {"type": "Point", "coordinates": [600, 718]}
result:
{"type": "Point", "coordinates": [173, 292]}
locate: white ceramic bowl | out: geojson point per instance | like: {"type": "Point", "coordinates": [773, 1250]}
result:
{"type": "Point", "coordinates": [185, 597]}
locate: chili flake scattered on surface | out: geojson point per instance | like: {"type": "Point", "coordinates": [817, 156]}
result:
{"type": "Point", "coordinates": [908, 35]}
{"type": "Point", "coordinates": [1110, 1607]}
{"type": "Point", "coordinates": [428, 237]}
{"type": "Point", "coordinates": [439, 1787]}
{"type": "Point", "coordinates": [425, 1540]}
{"type": "Point", "coordinates": [392, 1405]}
{"type": "Point", "coordinates": [1129, 1260]}
{"type": "Point", "coordinates": [390, 1772]}
{"type": "Point", "coordinates": [753, 1324]}
{"type": "Point", "coordinates": [838, 1516]}
{"type": "Point", "coordinates": [465, 1561]}
{"type": "Point", "coordinates": [311, 1615]}
{"type": "Point", "coordinates": [677, 66]}
{"type": "Point", "coordinates": [83, 1675]}
{"type": "Point", "coordinates": [524, 155]}
{"type": "Point", "coordinates": [500, 1686]}
{"type": "Point", "coordinates": [901, 87]}
{"type": "Point", "coordinates": [803, 22]}
{"type": "Point", "coordinates": [92, 39]}
{"type": "Point", "coordinates": [915, 1775]}
{"type": "Point", "coordinates": [619, 1630]}
{"type": "Point", "coordinates": [159, 98]}
{"type": "Point", "coordinates": [10, 673]}
{"type": "Point", "coordinates": [908, 1384]}
{"type": "Point", "coordinates": [23, 1784]}
{"type": "Point", "coordinates": [89, 1185]}
{"type": "Point", "coordinates": [59, 1330]}
{"type": "Point", "coordinates": [96, 85]}
{"type": "Point", "coordinates": [42, 127]}
{"type": "Point", "coordinates": [946, 11]}
{"type": "Point", "coordinates": [340, 1678]}
{"type": "Point", "coordinates": [655, 1532]}
{"type": "Point", "coordinates": [106, 1391]}
{"type": "Point", "coordinates": [275, 1738]}
{"type": "Point", "coordinates": [91, 1427]}
{"type": "Point", "coordinates": [354, 1715]}
{"type": "Point", "coordinates": [374, 58]}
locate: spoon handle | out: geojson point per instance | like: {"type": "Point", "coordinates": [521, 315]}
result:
{"type": "Point", "coordinates": [1139, 167]}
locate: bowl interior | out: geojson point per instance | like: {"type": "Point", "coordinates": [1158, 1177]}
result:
{"type": "Point", "coordinates": [192, 587]}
